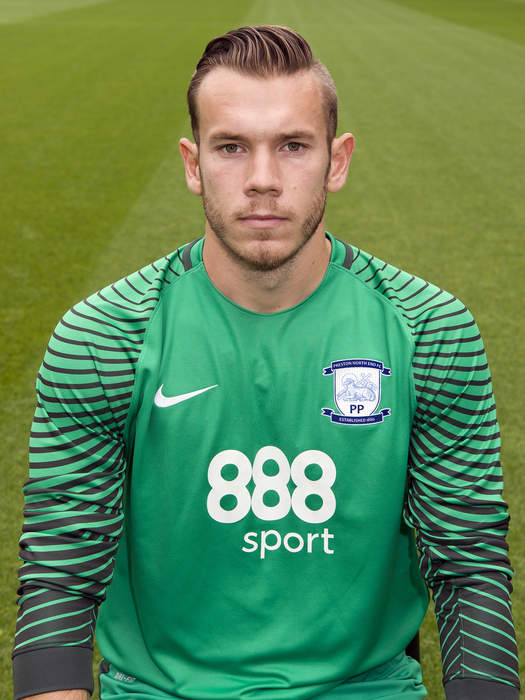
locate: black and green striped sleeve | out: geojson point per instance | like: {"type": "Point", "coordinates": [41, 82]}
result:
{"type": "Point", "coordinates": [455, 487]}
{"type": "Point", "coordinates": [455, 501]}
{"type": "Point", "coordinates": [73, 497]}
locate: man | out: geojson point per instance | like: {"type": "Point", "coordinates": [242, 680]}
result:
{"type": "Point", "coordinates": [258, 421]}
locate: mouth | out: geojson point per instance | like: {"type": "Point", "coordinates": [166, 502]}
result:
{"type": "Point", "coordinates": [262, 220]}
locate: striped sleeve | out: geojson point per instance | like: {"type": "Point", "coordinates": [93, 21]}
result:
{"type": "Point", "coordinates": [73, 497]}
{"type": "Point", "coordinates": [455, 486]}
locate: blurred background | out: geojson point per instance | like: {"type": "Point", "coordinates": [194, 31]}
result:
{"type": "Point", "coordinates": [92, 104]}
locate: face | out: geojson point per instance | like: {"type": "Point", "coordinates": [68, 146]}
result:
{"type": "Point", "coordinates": [262, 165]}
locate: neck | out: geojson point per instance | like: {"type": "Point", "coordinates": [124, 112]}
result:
{"type": "Point", "coordinates": [267, 291]}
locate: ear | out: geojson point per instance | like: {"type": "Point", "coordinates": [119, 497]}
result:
{"type": "Point", "coordinates": [190, 155]}
{"type": "Point", "coordinates": [342, 149]}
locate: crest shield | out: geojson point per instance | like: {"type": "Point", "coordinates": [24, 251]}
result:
{"type": "Point", "coordinates": [357, 391]}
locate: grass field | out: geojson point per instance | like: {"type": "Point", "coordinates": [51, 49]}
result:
{"type": "Point", "coordinates": [91, 111]}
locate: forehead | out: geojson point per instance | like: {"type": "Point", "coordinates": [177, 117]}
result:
{"type": "Point", "coordinates": [228, 100]}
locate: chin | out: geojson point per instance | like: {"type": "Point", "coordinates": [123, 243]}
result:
{"type": "Point", "coordinates": [265, 258]}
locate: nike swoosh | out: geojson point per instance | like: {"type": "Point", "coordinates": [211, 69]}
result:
{"type": "Point", "coordinates": [165, 401]}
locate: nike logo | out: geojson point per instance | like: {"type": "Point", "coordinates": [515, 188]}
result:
{"type": "Point", "coordinates": [165, 401]}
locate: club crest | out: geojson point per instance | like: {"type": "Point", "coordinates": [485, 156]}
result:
{"type": "Point", "coordinates": [357, 391]}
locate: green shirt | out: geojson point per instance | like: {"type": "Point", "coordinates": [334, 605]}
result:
{"type": "Point", "coordinates": [264, 473]}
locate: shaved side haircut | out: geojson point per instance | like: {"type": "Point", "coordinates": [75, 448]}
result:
{"type": "Point", "coordinates": [263, 51]}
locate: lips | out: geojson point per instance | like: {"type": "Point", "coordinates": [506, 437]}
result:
{"type": "Point", "coordinates": [262, 220]}
{"type": "Point", "coordinates": [262, 217]}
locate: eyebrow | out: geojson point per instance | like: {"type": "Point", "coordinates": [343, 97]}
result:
{"type": "Point", "coordinates": [292, 136]}
{"type": "Point", "coordinates": [225, 136]}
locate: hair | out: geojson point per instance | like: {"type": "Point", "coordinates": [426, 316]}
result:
{"type": "Point", "coordinates": [263, 51]}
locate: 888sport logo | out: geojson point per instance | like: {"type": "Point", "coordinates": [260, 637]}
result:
{"type": "Point", "coordinates": [304, 487]}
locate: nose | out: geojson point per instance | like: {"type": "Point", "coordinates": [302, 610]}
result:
{"type": "Point", "coordinates": [263, 173]}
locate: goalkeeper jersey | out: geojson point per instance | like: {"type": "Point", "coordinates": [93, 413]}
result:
{"type": "Point", "coordinates": [250, 484]}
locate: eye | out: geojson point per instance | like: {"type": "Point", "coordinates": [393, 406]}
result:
{"type": "Point", "coordinates": [230, 148]}
{"type": "Point", "coordinates": [294, 147]}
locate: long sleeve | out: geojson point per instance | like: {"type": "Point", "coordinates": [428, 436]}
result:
{"type": "Point", "coordinates": [73, 498]}
{"type": "Point", "coordinates": [455, 483]}
{"type": "Point", "coordinates": [72, 516]}
{"type": "Point", "coordinates": [455, 503]}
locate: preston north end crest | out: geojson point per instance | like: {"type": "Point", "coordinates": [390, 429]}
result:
{"type": "Point", "coordinates": [357, 391]}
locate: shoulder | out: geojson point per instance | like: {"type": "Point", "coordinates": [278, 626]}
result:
{"type": "Point", "coordinates": [121, 311]}
{"type": "Point", "coordinates": [88, 370]}
{"type": "Point", "coordinates": [426, 310]}
{"type": "Point", "coordinates": [103, 334]}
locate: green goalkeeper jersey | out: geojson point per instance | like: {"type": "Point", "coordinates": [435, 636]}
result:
{"type": "Point", "coordinates": [262, 476]}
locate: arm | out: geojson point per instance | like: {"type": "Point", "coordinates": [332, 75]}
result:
{"type": "Point", "coordinates": [73, 505]}
{"type": "Point", "coordinates": [73, 498]}
{"type": "Point", "coordinates": [455, 504]}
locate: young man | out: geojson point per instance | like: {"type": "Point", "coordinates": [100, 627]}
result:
{"type": "Point", "coordinates": [258, 421]}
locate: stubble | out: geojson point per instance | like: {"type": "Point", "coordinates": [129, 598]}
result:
{"type": "Point", "coordinates": [265, 260]}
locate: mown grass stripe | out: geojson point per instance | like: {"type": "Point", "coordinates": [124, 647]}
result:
{"type": "Point", "coordinates": [470, 88]}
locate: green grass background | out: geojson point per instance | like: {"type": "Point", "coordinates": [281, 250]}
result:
{"type": "Point", "coordinates": [91, 187]}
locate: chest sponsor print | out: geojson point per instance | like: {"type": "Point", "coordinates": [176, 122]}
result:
{"type": "Point", "coordinates": [357, 391]}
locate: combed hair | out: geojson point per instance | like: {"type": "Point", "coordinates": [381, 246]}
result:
{"type": "Point", "coordinates": [263, 51]}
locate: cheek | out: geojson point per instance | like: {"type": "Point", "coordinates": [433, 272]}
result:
{"type": "Point", "coordinates": [307, 176]}
{"type": "Point", "coordinates": [308, 185]}
{"type": "Point", "coordinates": [219, 182]}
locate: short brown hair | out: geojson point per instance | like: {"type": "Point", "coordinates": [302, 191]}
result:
{"type": "Point", "coordinates": [265, 50]}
